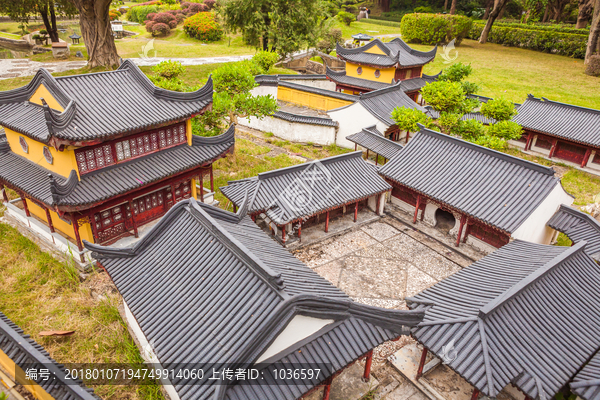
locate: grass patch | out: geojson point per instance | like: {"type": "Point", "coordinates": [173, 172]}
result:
{"type": "Point", "coordinates": [312, 151]}
{"type": "Point", "coordinates": [365, 27]}
{"type": "Point", "coordinates": [563, 240]}
{"type": "Point", "coordinates": [41, 293]}
{"type": "Point", "coordinates": [513, 73]}
{"type": "Point", "coordinates": [581, 185]}
{"type": "Point", "coordinates": [245, 163]}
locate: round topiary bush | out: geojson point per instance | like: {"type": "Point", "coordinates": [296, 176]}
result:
{"type": "Point", "coordinates": [149, 25]}
{"type": "Point", "coordinates": [435, 28]}
{"type": "Point", "coordinates": [160, 29]}
{"type": "Point", "coordinates": [593, 66]}
{"type": "Point", "coordinates": [203, 26]}
{"type": "Point", "coordinates": [151, 16]}
{"type": "Point", "coordinates": [180, 18]}
{"type": "Point", "coordinates": [210, 3]}
{"type": "Point", "coordinates": [164, 18]}
{"type": "Point", "coordinates": [193, 8]}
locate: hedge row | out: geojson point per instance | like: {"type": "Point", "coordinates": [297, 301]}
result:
{"type": "Point", "coordinates": [548, 28]}
{"type": "Point", "coordinates": [564, 44]}
{"type": "Point", "coordinates": [382, 22]}
{"type": "Point", "coordinates": [434, 28]}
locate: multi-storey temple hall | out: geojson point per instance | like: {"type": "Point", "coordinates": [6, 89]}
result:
{"type": "Point", "coordinates": [96, 156]}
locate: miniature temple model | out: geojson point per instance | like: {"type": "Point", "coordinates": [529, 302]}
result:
{"type": "Point", "coordinates": [96, 156]}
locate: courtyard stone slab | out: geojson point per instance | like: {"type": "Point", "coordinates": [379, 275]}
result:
{"type": "Point", "coordinates": [331, 271]}
{"type": "Point", "coordinates": [374, 278]}
{"type": "Point", "coordinates": [381, 231]}
{"type": "Point", "coordinates": [378, 251]}
{"type": "Point", "coordinates": [417, 281]}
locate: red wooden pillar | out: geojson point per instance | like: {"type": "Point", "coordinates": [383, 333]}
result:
{"type": "Point", "coordinates": [173, 193]}
{"type": "Point", "coordinates": [553, 149]}
{"type": "Point", "coordinates": [529, 140]}
{"type": "Point", "coordinates": [586, 158]}
{"type": "Point", "coordinates": [201, 186]}
{"type": "Point", "coordinates": [327, 389]}
{"type": "Point", "coordinates": [283, 234]}
{"type": "Point", "coordinates": [327, 223]}
{"type": "Point", "coordinates": [300, 231]}
{"type": "Point", "coordinates": [133, 221]}
{"type": "Point", "coordinates": [356, 212]}
{"type": "Point", "coordinates": [212, 179]}
{"type": "Point", "coordinates": [25, 206]}
{"type": "Point", "coordinates": [467, 230]}
{"type": "Point", "coordinates": [234, 208]}
{"type": "Point", "coordinates": [367, 154]}
{"type": "Point", "coordinates": [76, 230]}
{"type": "Point", "coordinates": [417, 209]}
{"type": "Point", "coordinates": [4, 195]}
{"type": "Point", "coordinates": [475, 394]}
{"type": "Point", "coordinates": [49, 218]}
{"type": "Point", "coordinates": [422, 363]}
{"type": "Point", "coordinates": [407, 137]}
{"type": "Point", "coordinates": [253, 216]}
{"type": "Point", "coordinates": [463, 219]}
{"type": "Point", "coordinates": [376, 158]}
{"type": "Point", "coordinates": [368, 363]}
{"type": "Point", "coordinates": [355, 146]}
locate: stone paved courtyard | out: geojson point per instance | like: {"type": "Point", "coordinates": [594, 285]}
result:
{"type": "Point", "coordinates": [380, 264]}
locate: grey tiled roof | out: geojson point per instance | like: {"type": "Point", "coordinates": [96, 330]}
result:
{"type": "Point", "coordinates": [110, 181]}
{"type": "Point", "coordinates": [578, 124]}
{"type": "Point", "coordinates": [97, 106]}
{"type": "Point", "coordinates": [342, 78]}
{"type": "Point", "coordinates": [397, 52]}
{"type": "Point", "coordinates": [304, 119]}
{"type": "Point", "coordinates": [370, 138]}
{"type": "Point", "coordinates": [586, 383]}
{"type": "Point", "coordinates": [414, 84]}
{"type": "Point", "coordinates": [26, 353]}
{"type": "Point", "coordinates": [228, 291]}
{"type": "Point", "coordinates": [289, 194]}
{"type": "Point", "coordinates": [323, 92]}
{"type": "Point", "coordinates": [472, 115]}
{"type": "Point", "coordinates": [493, 187]}
{"type": "Point", "coordinates": [526, 314]}
{"type": "Point", "coordinates": [273, 80]}
{"type": "Point", "coordinates": [578, 226]}
{"type": "Point", "coordinates": [382, 102]}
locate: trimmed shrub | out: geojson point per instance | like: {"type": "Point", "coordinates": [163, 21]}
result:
{"type": "Point", "coordinates": [593, 66]}
{"type": "Point", "coordinates": [536, 27]}
{"type": "Point", "coordinates": [113, 15]}
{"type": "Point", "coordinates": [423, 10]}
{"type": "Point", "coordinates": [346, 17]}
{"type": "Point", "coordinates": [149, 25]}
{"type": "Point", "coordinates": [435, 28]}
{"type": "Point", "coordinates": [160, 29]}
{"type": "Point", "coordinates": [163, 18]}
{"type": "Point", "coordinates": [193, 8]}
{"type": "Point", "coordinates": [210, 4]}
{"type": "Point", "coordinates": [180, 18]}
{"type": "Point", "coordinates": [265, 59]}
{"type": "Point", "coordinates": [203, 26]}
{"type": "Point", "coordinates": [564, 44]}
{"type": "Point", "coordinates": [168, 69]}
{"type": "Point", "coordinates": [150, 17]}
{"type": "Point", "coordinates": [140, 13]}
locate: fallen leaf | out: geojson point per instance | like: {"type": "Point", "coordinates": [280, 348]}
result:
{"type": "Point", "coordinates": [56, 333]}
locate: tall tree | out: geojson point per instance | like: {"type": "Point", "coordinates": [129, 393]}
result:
{"type": "Point", "coordinates": [23, 11]}
{"type": "Point", "coordinates": [594, 38]}
{"type": "Point", "coordinates": [284, 25]}
{"type": "Point", "coordinates": [498, 6]}
{"type": "Point", "coordinates": [585, 12]}
{"type": "Point", "coordinates": [97, 32]}
{"type": "Point", "coordinates": [453, 7]}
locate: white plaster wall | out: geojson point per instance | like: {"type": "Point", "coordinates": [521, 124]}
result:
{"type": "Point", "coordinates": [402, 205]}
{"type": "Point", "coordinates": [372, 203]}
{"type": "Point", "coordinates": [292, 131]}
{"type": "Point", "coordinates": [534, 228]}
{"type": "Point", "coordinates": [516, 143]}
{"type": "Point", "coordinates": [590, 164]}
{"type": "Point", "coordinates": [264, 90]}
{"type": "Point", "coordinates": [382, 200]}
{"type": "Point", "coordinates": [352, 119]}
{"type": "Point", "coordinates": [480, 245]}
{"type": "Point", "coordinates": [316, 83]}
{"type": "Point", "coordinates": [147, 352]}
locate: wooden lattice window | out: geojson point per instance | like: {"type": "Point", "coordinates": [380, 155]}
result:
{"type": "Point", "coordinates": [24, 145]}
{"type": "Point", "coordinates": [93, 158]}
{"type": "Point", "coordinates": [48, 155]}
{"type": "Point", "coordinates": [377, 73]}
{"type": "Point", "coordinates": [488, 235]}
{"type": "Point", "coordinates": [359, 70]}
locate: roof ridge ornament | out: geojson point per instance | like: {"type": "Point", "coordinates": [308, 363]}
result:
{"type": "Point", "coordinates": [58, 191]}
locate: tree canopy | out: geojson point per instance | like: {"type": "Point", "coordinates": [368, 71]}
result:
{"type": "Point", "coordinates": [283, 26]}
{"type": "Point", "coordinates": [23, 10]}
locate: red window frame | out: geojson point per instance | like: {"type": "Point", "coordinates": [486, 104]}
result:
{"type": "Point", "coordinates": [93, 158]}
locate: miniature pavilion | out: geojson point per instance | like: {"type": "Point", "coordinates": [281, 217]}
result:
{"type": "Point", "coordinates": [377, 63]}
{"type": "Point", "coordinates": [96, 156]}
{"type": "Point", "coordinates": [236, 298]}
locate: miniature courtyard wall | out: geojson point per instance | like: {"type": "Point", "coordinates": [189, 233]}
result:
{"type": "Point", "coordinates": [351, 119]}
{"type": "Point", "coordinates": [294, 131]}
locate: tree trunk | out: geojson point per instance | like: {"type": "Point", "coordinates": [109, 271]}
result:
{"type": "Point", "coordinates": [453, 7]}
{"type": "Point", "coordinates": [498, 5]}
{"type": "Point", "coordinates": [50, 23]}
{"type": "Point", "coordinates": [97, 33]}
{"type": "Point", "coordinates": [594, 38]}
{"type": "Point", "coordinates": [385, 5]}
{"type": "Point", "coordinates": [445, 5]}
{"type": "Point", "coordinates": [545, 18]}
{"type": "Point", "coordinates": [501, 15]}
{"type": "Point", "coordinates": [585, 10]}
{"type": "Point", "coordinates": [488, 7]}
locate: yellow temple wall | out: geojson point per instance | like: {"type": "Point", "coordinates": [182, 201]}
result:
{"type": "Point", "coordinates": [32, 387]}
{"type": "Point", "coordinates": [85, 231]}
{"type": "Point", "coordinates": [42, 92]}
{"type": "Point", "coordinates": [63, 161]}
{"type": "Point", "coordinates": [311, 100]}
{"type": "Point", "coordinates": [387, 74]}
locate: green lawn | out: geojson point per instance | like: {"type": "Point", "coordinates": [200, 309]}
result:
{"type": "Point", "coordinates": [513, 73]}
{"type": "Point", "coordinates": [364, 27]}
